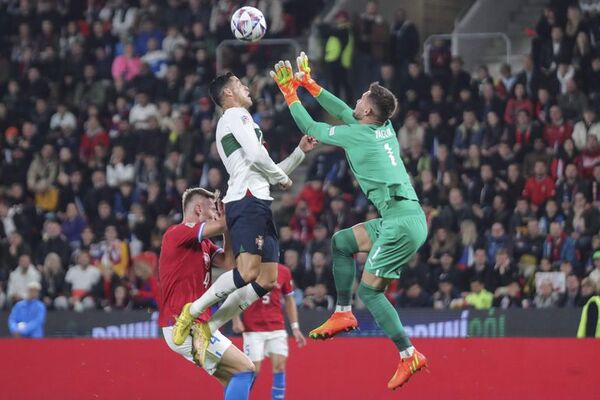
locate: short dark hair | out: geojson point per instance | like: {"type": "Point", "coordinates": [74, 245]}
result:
{"type": "Point", "coordinates": [384, 101]}
{"type": "Point", "coordinates": [190, 193]}
{"type": "Point", "coordinates": [217, 85]}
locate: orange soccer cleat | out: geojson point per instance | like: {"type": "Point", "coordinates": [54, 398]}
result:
{"type": "Point", "coordinates": [338, 322]}
{"type": "Point", "coordinates": [407, 368]}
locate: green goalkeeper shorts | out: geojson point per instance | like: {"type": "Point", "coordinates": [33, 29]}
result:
{"type": "Point", "coordinates": [396, 238]}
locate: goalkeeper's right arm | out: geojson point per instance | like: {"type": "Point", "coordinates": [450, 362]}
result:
{"type": "Point", "coordinates": [326, 99]}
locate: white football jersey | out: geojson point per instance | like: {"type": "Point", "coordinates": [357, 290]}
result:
{"type": "Point", "coordinates": [239, 142]}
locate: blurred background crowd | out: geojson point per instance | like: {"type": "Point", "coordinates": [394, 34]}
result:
{"type": "Point", "coordinates": [106, 120]}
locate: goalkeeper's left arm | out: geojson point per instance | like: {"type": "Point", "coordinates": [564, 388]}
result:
{"type": "Point", "coordinates": [325, 133]}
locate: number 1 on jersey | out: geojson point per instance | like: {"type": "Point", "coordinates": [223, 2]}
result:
{"type": "Point", "coordinates": [390, 153]}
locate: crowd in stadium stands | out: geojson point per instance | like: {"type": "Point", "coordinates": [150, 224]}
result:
{"type": "Point", "coordinates": [106, 120]}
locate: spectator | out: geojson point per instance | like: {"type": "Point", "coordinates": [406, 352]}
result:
{"type": "Point", "coordinates": [312, 194]}
{"type": "Point", "coordinates": [142, 111]}
{"type": "Point", "coordinates": [112, 252]}
{"type": "Point", "coordinates": [587, 126]}
{"type": "Point", "coordinates": [572, 296]}
{"type": "Point", "coordinates": [90, 91]}
{"type": "Point", "coordinates": [557, 130]}
{"type": "Point", "coordinates": [503, 272]}
{"type": "Point", "coordinates": [404, 41]}
{"type": "Point", "coordinates": [316, 298]}
{"type": "Point", "coordinates": [320, 242]}
{"type": "Point", "coordinates": [19, 279]}
{"type": "Point", "coordinates": [41, 178]}
{"type": "Point", "coordinates": [496, 240]}
{"type": "Point", "coordinates": [319, 273]}
{"type": "Point", "coordinates": [144, 292]}
{"type": "Point", "coordinates": [414, 296]}
{"type": "Point", "coordinates": [127, 65]}
{"type": "Point", "coordinates": [519, 101]}
{"type": "Point", "coordinates": [594, 276]}
{"type": "Point", "coordinates": [446, 295]}
{"type": "Point", "coordinates": [479, 298]}
{"type": "Point", "coordinates": [104, 290]}
{"type": "Point", "coordinates": [95, 136]}
{"type": "Point", "coordinates": [509, 296]}
{"type": "Point", "coordinates": [547, 297]}
{"type": "Point", "coordinates": [53, 283]}
{"type": "Point", "coordinates": [467, 134]}
{"type": "Point", "coordinates": [81, 279]}
{"type": "Point", "coordinates": [28, 316]}
{"type": "Point", "coordinates": [558, 245]}
{"type": "Point", "coordinates": [53, 242]}
{"type": "Point", "coordinates": [411, 131]}
{"type": "Point", "coordinates": [539, 187]}
{"type": "Point", "coordinates": [372, 45]}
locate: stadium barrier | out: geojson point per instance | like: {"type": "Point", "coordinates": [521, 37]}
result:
{"type": "Point", "coordinates": [419, 323]}
{"type": "Point", "coordinates": [343, 368]}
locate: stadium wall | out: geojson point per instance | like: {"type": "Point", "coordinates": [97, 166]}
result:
{"type": "Point", "coordinates": [344, 368]}
{"type": "Point", "coordinates": [425, 323]}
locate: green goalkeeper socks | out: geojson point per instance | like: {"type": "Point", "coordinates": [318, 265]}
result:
{"type": "Point", "coordinates": [344, 246]}
{"type": "Point", "coordinates": [385, 315]}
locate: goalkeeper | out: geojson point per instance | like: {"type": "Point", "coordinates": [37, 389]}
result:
{"type": "Point", "coordinates": [373, 154]}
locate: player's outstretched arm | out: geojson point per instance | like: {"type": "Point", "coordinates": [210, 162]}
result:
{"type": "Point", "coordinates": [306, 145]}
{"type": "Point", "coordinates": [332, 104]}
{"type": "Point", "coordinates": [284, 78]}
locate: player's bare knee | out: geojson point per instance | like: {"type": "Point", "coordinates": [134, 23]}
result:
{"type": "Point", "coordinates": [249, 274]}
{"type": "Point", "coordinates": [267, 283]}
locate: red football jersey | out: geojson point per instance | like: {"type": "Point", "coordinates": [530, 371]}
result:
{"type": "Point", "coordinates": [184, 270]}
{"type": "Point", "coordinates": [265, 315]}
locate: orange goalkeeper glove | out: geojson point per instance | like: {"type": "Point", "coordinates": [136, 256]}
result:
{"type": "Point", "coordinates": [303, 76]}
{"type": "Point", "coordinates": [284, 78]}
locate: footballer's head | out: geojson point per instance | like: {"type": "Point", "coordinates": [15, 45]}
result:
{"type": "Point", "coordinates": [228, 91]}
{"type": "Point", "coordinates": [199, 204]}
{"type": "Point", "coordinates": [376, 105]}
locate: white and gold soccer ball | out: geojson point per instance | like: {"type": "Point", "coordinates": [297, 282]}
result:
{"type": "Point", "coordinates": [248, 24]}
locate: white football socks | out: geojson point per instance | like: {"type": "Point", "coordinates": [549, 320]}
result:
{"type": "Point", "coordinates": [404, 354]}
{"type": "Point", "coordinates": [236, 302]}
{"type": "Point", "coordinates": [222, 287]}
{"type": "Point", "coordinates": [343, 308]}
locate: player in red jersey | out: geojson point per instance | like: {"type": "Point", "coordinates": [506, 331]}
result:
{"type": "Point", "coordinates": [185, 265]}
{"type": "Point", "coordinates": [264, 329]}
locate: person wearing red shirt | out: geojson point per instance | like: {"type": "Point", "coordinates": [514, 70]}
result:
{"type": "Point", "coordinates": [519, 101]}
{"type": "Point", "coordinates": [184, 268]}
{"type": "Point", "coordinates": [264, 331]}
{"type": "Point", "coordinates": [539, 187]}
{"type": "Point", "coordinates": [558, 130]}
{"type": "Point", "coordinates": [312, 194]}
{"type": "Point", "coordinates": [94, 136]}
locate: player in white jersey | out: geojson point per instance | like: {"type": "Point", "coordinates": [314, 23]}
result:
{"type": "Point", "coordinates": [247, 209]}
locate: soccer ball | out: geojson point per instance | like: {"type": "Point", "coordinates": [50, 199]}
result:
{"type": "Point", "coordinates": [248, 24]}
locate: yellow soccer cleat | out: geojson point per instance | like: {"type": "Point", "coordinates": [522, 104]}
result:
{"type": "Point", "coordinates": [201, 335]}
{"type": "Point", "coordinates": [182, 326]}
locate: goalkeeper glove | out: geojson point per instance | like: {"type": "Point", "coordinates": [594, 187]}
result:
{"type": "Point", "coordinates": [303, 76]}
{"type": "Point", "coordinates": [284, 78]}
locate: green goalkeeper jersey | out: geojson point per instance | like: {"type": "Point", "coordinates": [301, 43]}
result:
{"type": "Point", "coordinates": [372, 151]}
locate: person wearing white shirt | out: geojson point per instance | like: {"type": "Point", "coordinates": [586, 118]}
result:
{"type": "Point", "coordinates": [63, 119]}
{"type": "Point", "coordinates": [82, 278]}
{"type": "Point", "coordinates": [18, 280]}
{"type": "Point", "coordinates": [247, 207]}
{"type": "Point", "coordinates": [142, 111]}
{"type": "Point", "coordinates": [586, 127]}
